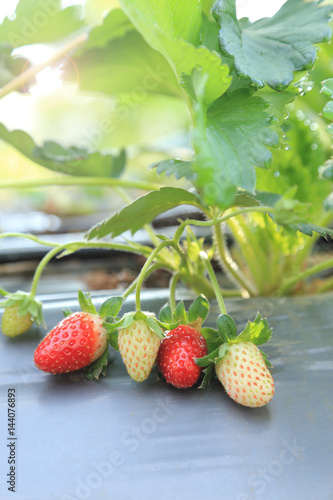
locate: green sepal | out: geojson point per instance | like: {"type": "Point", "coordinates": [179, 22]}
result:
{"type": "Point", "coordinates": [152, 323]}
{"type": "Point", "coordinates": [86, 303]}
{"type": "Point", "coordinates": [66, 312]}
{"type": "Point", "coordinates": [111, 307]}
{"type": "Point", "coordinates": [124, 322]}
{"type": "Point", "coordinates": [214, 356]}
{"type": "Point", "coordinates": [267, 362]}
{"type": "Point", "coordinates": [180, 314]}
{"type": "Point", "coordinates": [26, 305]}
{"type": "Point", "coordinates": [209, 372]}
{"type": "Point", "coordinates": [212, 337]}
{"type": "Point", "coordinates": [209, 358]}
{"type": "Point", "coordinates": [226, 328]}
{"type": "Point", "coordinates": [113, 340]}
{"type": "Point", "coordinates": [162, 237]}
{"type": "Point", "coordinates": [166, 326]}
{"type": "Point", "coordinates": [257, 332]}
{"type": "Point", "coordinates": [98, 367]}
{"type": "Point", "coordinates": [198, 309]}
{"type": "Point", "coordinates": [223, 350]}
{"type": "Point", "coordinates": [165, 314]}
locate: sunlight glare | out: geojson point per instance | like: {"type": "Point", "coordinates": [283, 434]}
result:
{"type": "Point", "coordinates": [48, 81]}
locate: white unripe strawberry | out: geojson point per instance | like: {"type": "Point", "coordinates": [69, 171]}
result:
{"type": "Point", "coordinates": [244, 375]}
{"type": "Point", "coordinates": [138, 346]}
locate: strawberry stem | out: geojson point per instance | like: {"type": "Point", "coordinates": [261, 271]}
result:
{"type": "Point", "coordinates": [228, 262]}
{"type": "Point", "coordinates": [214, 282]}
{"type": "Point", "coordinates": [80, 181]}
{"type": "Point", "coordinates": [132, 286]}
{"type": "Point", "coordinates": [172, 288]}
{"type": "Point", "coordinates": [145, 268]}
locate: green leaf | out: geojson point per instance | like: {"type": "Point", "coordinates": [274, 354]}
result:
{"type": "Point", "coordinates": [143, 211]}
{"type": "Point", "coordinates": [167, 30]}
{"type": "Point", "coordinates": [199, 309]}
{"type": "Point", "coordinates": [308, 229]}
{"type": "Point", "coordinates": [127, 67]}
{"type": "Point", "coordinates": [111, 307]}
{"type": "Point", "coordinates": [178, 168]}
{"type": "Point", "coordinates": [72, 161]}
{"type": "Point", "coordinates": [328, 110]}
{"type": "Point", "coordinates": [40, 22]}
{"type": "Point", "coordinates": [271, 199]}
{"type": "Point", "coordinates": [180, 314]}
{"type": "Point", "coordinates": [183, 57]}
{"type": "Point", "coordinates": [98, 367]}
{"type": "Point", "coordinates": [227, 328]}
{"type": "Point", "coordinates": [328, 203]}
{"type": "Point", "coordinates": [165, 314]}
{"type": "Point", "coordinates": [289, 211]}
{"type": "Point", "coordinates": [115, 25]}
{"type": "Point", "coordinates": [86, 303]}
{"type": "Point", "coordinates": [328, 171]}
{"type": "Point", "coordinates": [278, 101]}
{"type": "Point", "coordinates": [10, 67]}
{"type": "Point", "coordinates": [175, 19]}
{"type": "Point", "coordinates": [257, 332]}
{"type": "Point", "coordinates": [230, 140]}
{"type": "Point", "coordinates": [271, 49]}
{"type": "Point", "coordinates": [327, 87]}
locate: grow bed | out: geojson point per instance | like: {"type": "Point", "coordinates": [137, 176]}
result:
{"type": "Point", "coordinates": [79, 439]}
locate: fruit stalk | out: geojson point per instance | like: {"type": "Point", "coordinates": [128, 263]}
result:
{"type": "Point", "coordinates": [214, 282]}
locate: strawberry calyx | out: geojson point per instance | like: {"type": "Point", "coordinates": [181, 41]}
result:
{"type": "Point", "coordinates": [113, 324]}
{"type": "Point", "coordinates": [194, 317]}
{"type": "Point", "coordinates": [218, 341]}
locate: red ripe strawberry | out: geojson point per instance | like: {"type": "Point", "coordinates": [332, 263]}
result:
{"type": "Point", "coordinates": [244, 375]}
{"type": "Point", "coordinates": [76, 342]}
{"type": "Point", "coordinates": [175, 358]}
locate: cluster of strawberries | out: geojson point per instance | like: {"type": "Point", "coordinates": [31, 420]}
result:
{"type": "Point", "coordinates": [81, 341]}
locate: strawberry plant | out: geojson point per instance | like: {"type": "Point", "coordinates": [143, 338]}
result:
{"type": "Point", "coordinates": [228, 84]}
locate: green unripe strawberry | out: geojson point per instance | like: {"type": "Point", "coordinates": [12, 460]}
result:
{"type": "Point", "coordinates": [138, 346]}
{"type": "Point", "coordinates": [13, 324]}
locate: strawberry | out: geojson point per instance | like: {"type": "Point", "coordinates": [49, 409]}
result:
{"type": "Point", "coordinates": [21, 311]}
{"type": "Point", "coordinates": [14, 324]}
{"type": "Point", "coordinates": [138, 346]}
{"type": "Point", "coordinates": [76, 342]}
{"type": "Point", "coordinates": [244, 375]}
{"type": "Point", "coordinates": [176, 356]}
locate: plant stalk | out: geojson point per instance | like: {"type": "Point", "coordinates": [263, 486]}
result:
{"type": "Point", "coordinates": [30, 73]}
{"type": "Point", "coordinates": [214, 281]}
{"type": "Point", "coordinates": [291, 283]}
{"type": "Point", "coordinates": [79, 181]}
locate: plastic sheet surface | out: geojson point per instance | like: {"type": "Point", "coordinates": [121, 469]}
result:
{"type": "Point", "coordinates": [115, 439]}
